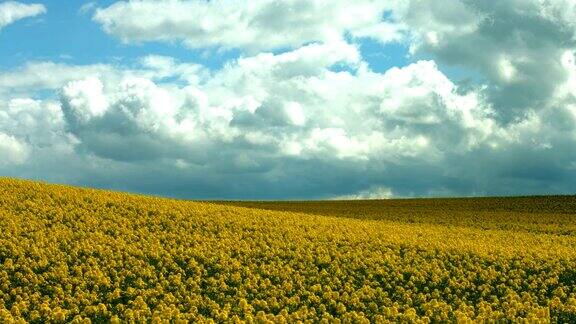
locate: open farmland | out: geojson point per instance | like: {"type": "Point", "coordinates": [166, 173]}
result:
{"type": "Point", "coordinates": [540, 214]}
{"type": "Point", "coordinates": [78, 254]}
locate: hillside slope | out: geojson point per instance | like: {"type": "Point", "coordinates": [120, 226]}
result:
{"type": "Point", "coordinates": [73, 254]}
{"type": "Point", "coordinates": [550, 214]}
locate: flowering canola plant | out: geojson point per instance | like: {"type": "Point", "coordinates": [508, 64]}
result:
{"type": "Point", "coordinates": [81, 255]}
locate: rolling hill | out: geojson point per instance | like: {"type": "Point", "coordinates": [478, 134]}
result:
{"type": "Point", "coordinates": [83, 255]}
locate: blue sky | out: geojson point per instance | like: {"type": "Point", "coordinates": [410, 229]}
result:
{"type": "Point", "coordinates": [66, 34]}
{"type": "Point", "coordinates": [291, 99]}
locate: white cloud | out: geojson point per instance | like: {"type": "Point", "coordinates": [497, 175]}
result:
{"type": "Point", "coordinates": [12, 11]}
{"type": "Point", "coordinates": [516, 45]}
{"type": "Point", "coordinates": [12, 151]}
{"type": "Point", "coordinates": [36, 76]}
{"type": "Point", "coordinates": [88, 7]}
{"type": "Point", "coordinates": [289, 104]}
{"type": "Point", "coordinates": [312, 120]}
{"type": "Point", "coordinates": [375, 192]}
{"type": "Point", "coordinates": [84, 100]}
{"type": "Point", "coordinates": [251, 25]}
{"type": "Point", "coordinates": [385, 32]}
{"type": "Point", "coordinates": [39, 123]}
{"type": "Point", "coordinates": [295, 113]}
{"type": "Point", "coordinates": [258, 113]}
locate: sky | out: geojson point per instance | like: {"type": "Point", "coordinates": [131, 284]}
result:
{"type": "Point", "coordinates": [293, 99]}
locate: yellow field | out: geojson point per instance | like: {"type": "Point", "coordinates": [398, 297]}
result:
{"type": "Point", "coordinates": [76, 254]}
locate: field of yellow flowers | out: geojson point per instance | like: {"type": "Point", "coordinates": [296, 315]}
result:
{"type": "Point", "coordinates": [81, 255]}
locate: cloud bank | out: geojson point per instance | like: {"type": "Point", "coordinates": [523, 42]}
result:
{"type": "Point", "coordinates": [300, 113]}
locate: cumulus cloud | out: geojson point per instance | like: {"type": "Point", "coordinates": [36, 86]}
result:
{"type": "Point", "coordinates": [36, 122]}
{"type": "Point", "coordinates": [312, 120]}
{"type": "Point", "coordinates": [260, 25]}
{"type": "Point", "coordinates": [12, 150]}
{"type": "Point", "coordinates": [260, 114]}
{"type": "Point", "coordinates": [268, 119]}
{"type": "Point", "coordinates": [85, 100]}
{"type": "Point", "coordinates": [51, 76]}
{"type": "Point", "coordinates": [516, 46]}
{"type": "Point", "coordinates": [12, 11]}
{"type": "Point", "coordinates": [290, 103]}
{"type": "Point", "coordinates": [32, 137]}
{"type": "Point", "coordinates": [35, 76]}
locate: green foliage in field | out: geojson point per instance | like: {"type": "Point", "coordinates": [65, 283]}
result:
{"type": "Point", "coordinates": [71, 254]}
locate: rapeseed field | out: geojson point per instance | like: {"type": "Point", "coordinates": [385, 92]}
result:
{"type": "Point", "coordinates": [81, 255]}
